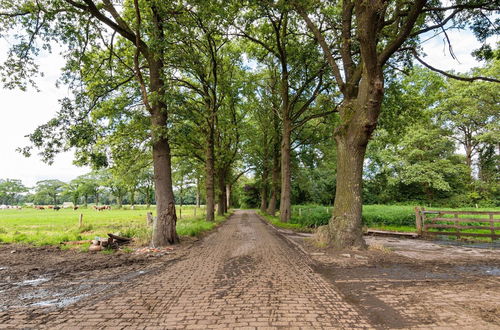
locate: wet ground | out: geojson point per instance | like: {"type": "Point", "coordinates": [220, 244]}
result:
{"type": "Point", "coordinates": [249, 274]}
{"type": "Point", "coordinates": [48, 278]}
{"type": "Point", "coordinates": [414, 283]}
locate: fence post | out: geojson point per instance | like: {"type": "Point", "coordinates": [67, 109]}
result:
{"type": "Point", "coordinates": [492, 224]}
{"type": "Point", "coordinates": [300, 212]}
{"type": "Point", "coordinates": [418, 220]}
{"type": "Point", "coordinates": [195, 211]}
{"type": "Point", "coordinates": [80, 220]}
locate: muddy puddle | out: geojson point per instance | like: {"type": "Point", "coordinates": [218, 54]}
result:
{"type": "Point", "coordinates": [47, 278]}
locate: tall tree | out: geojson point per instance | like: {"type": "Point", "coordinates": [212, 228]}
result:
{"type": "Point", "coordinates": [50, 188]}
{"type": "Point", "coordinates": [360, 39]}
{"type": "Point", "coordinates": [470, 111]}
{"type": "Point", "coordinates": [274, 31]}
{"type": "Point", "coordinates": [209, 81]}
{"type": "Point", "coordinates": [109, 48]}
{"type": "Point", "coordinates": [10, 189]}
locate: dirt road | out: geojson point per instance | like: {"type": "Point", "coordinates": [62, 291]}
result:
{"type": "Point", "coordinates": [242, 275]}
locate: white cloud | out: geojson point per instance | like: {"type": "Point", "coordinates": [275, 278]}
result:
{"type": "Point", "coordinates": [462, 42]}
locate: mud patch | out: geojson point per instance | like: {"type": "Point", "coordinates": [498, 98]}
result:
{"type": "Point", "coordinates": [228, 276]}
{"type": "Point", "coordinates": [47, 278]}
{"type": "Point", "coordinates": [402, 283]}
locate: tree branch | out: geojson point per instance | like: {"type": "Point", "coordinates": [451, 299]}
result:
{"type": "Point", "coordinates": [450, 75]}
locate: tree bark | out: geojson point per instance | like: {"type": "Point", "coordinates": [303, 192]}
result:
{"type": "Point", "coordinates": [197, 192]}
{"type": "Point", "coordinates": [264, 188]}
{"type": "Point", "coordinates": [164, 231]}
{"type": "Point", "coordinates": [228, 197]}
{"type": "Point", "coordinates": [286, 179]}
{"type": "Point", "coordinates": [221, 209]}
{"type": "Point", "coordinates": [275, 179]}
{"type": "Point", "coordinates": [358, 121]}
{"type": "Point", "coordinates": [210, 173]}
{"type": "Point", "coordinates": [164, 228]}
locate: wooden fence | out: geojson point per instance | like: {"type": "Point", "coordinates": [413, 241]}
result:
{"type": "Point", "coordinates": [450, 223]}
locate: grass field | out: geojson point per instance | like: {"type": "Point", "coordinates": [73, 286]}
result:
{"type": "Point", "coordinates": [49, 227]}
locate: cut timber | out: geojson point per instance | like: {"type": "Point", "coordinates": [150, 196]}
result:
{"type": "Point", "coordinates": [77, 242]}
{"type": "Point", "coordinates": [120, 239]}
{"type": "Point", "coordinates": [391, 233]}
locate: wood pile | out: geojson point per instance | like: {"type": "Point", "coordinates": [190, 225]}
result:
{"type": "Point", "coordinates": [111, 242]}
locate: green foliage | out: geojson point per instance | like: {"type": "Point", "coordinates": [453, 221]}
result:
{"type": "Point", "coordinates": [10, 190]}
{"type": "Point", "coordinates": [48, 191]}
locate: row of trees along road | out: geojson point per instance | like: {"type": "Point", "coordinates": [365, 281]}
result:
{"type": "Point", "coordinates": [168, 79]}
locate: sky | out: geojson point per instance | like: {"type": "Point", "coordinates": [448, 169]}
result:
{"type": "Point", "coordinates": [21, 112]}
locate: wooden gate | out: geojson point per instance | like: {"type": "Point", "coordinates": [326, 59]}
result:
{"type": "Point", "coordinates": [457, 223]}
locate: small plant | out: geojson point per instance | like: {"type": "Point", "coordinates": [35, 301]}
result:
{"type": "Point", "coordinates": [127, 250]}
{"type": "Point", "coordinates": [108, 251]}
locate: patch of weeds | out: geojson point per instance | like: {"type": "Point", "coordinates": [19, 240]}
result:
{"type": "Point", "coordinates": [19, 238]}
{"type": "Point", "coordinates": [84, 247]}
{"type": "Point", "coordinates": [3, 231]}
{"type": "Point", "coordinates": [64, 247]}
{"type": "Point", "coordinates": [127, 250]}
{"type": "Point", "coordinates": [108, 251]}
{"type": "Point", "coordinates": [85, 228]}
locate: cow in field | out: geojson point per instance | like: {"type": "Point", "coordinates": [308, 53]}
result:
{"type": "Point", "coordinates": [56, 208]}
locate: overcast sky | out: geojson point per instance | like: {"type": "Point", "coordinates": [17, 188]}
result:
{"type": "Point", "coordinates": [21, 112]}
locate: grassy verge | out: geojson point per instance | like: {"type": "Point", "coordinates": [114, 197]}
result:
{"type": "Point", "coordinates": [48, 227]}
{"type": "Point", "coordinates": [285, 225]}
{"type": "Point", "coordinates": [382, 217]}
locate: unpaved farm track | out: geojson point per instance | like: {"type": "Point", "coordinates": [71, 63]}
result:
{"type": "Point", "coordinates": [242, 275]}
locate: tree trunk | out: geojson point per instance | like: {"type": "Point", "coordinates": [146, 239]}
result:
{"type": "Point", "coordinates": [221, 209]}
{"type": "Point", "coordinates": [119, 200]}
{"type": "Point", "coordinates": [263, 199]}
{"type": "Point", "coordinates": [210, 173]}
{"type": "Point", "coordinates": [286, 179]}
{"type": "Point", "coordinates": [85, 200]}
{"type": "Point", "coordinates": [164, 228]}
{"type": "Point", "coordinates": [345, 226]}
{"type": "Point", "coordinates": [271, 209]}
{"type": "Point", "coordinates": [164, 231]}
{"type": "Point", "coordinates": [228, 197]}
{"type": "Point", "coordinates": [358, 120]}
{"type": "Point", "coordinates": [147, 197]}
{"type": "Point", "coordinates": [132, 198]}
{"type": "Point", "coordinates": [197, 192]}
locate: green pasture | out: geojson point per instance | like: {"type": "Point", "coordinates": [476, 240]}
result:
{"type": "Point", "coordinates": [49, 227]}
{"type": "Point", "coordinates": [382, 217]}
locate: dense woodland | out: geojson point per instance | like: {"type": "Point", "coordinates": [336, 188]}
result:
{"type": "Point", "coordinates": [262, 104]}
